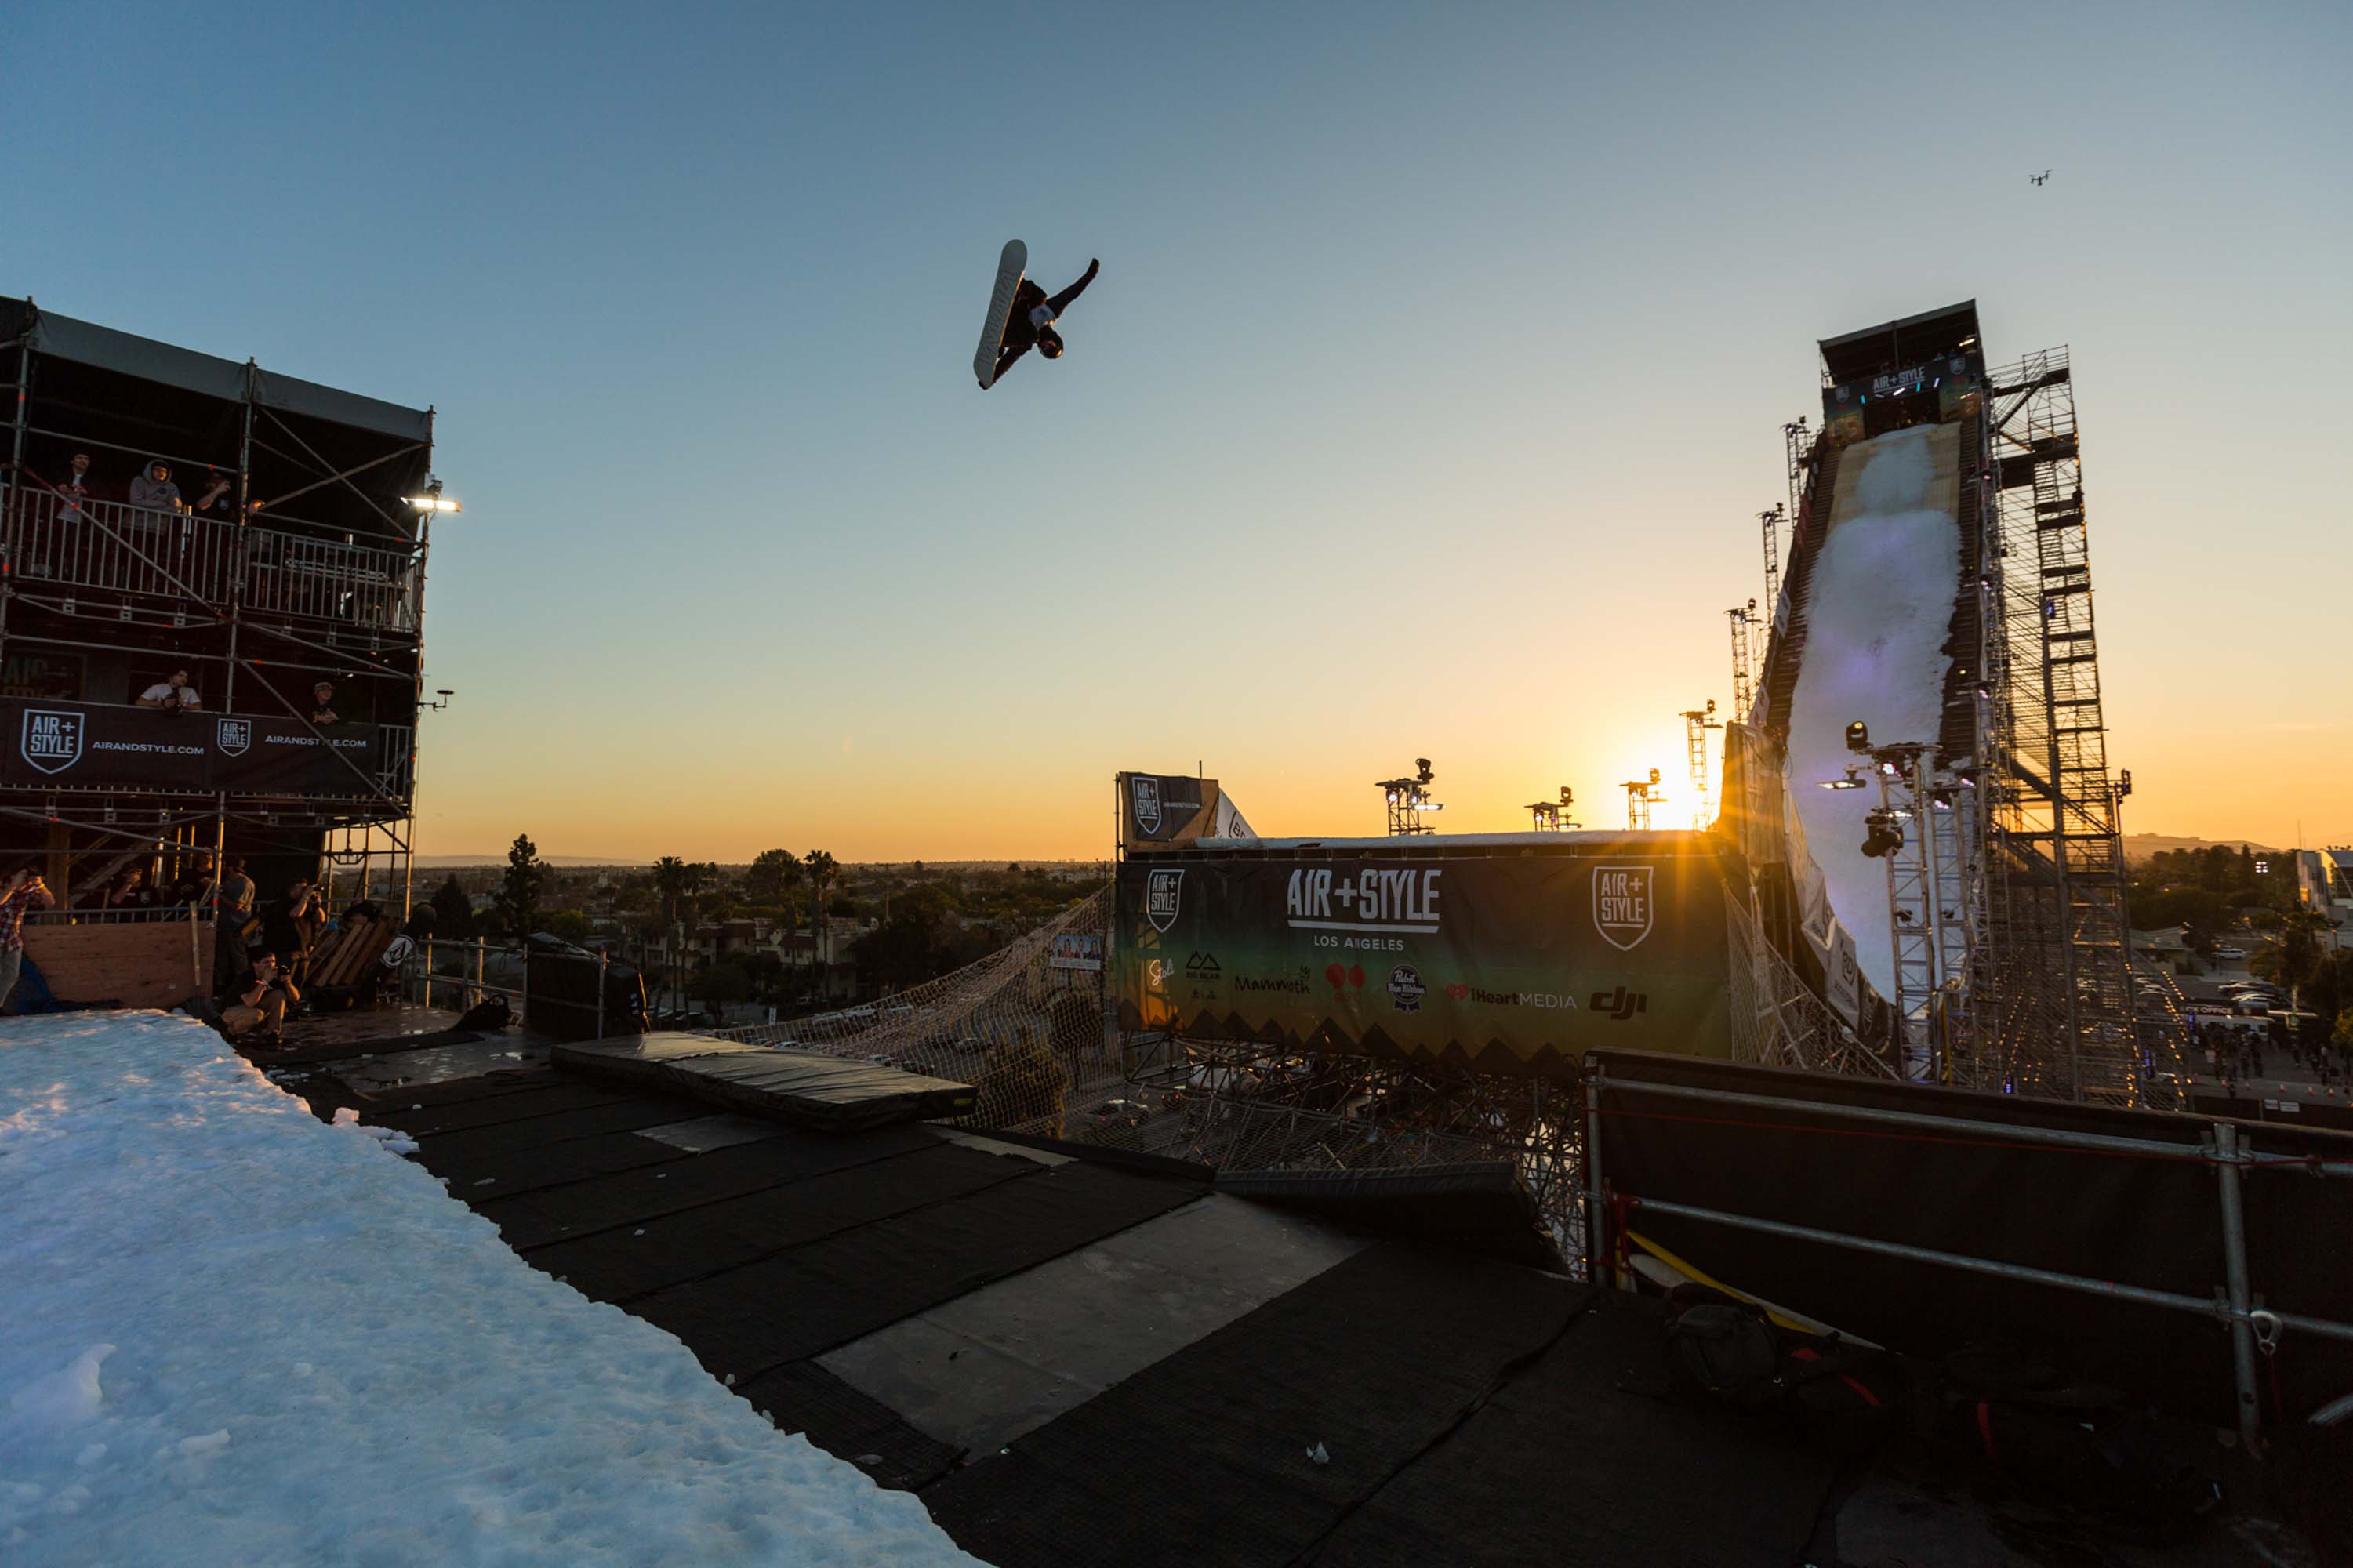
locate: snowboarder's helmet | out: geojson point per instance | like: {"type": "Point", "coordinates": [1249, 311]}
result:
{"type": "Point", "coordinates": [1050, 343]}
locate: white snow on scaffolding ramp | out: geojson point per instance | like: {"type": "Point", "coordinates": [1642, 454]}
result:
{"type": "Point", "coordinates": [229, 1333]}
{"type": "Point", "coordinates": [1877, 615]}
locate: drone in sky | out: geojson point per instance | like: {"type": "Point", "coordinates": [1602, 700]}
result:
{"type": "Point", "coordinates": [2041, 179]}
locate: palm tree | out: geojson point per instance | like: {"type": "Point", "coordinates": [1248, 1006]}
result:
{"type": "Point", "coordinates": [672, 877]}
{"type": "Point", "coordinates": [822, 868]}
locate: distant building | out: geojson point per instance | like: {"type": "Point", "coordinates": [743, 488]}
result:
{"type": "Point", "coordinates": [2324, 883]}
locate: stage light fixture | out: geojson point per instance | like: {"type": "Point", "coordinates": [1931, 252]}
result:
{"type": "Point", "coordinates": [1858, 736]}
{"type": "Point", "coordinates": [434, 503]}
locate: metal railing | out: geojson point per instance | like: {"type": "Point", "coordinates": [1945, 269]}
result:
{"type": "Point", "coordinates": [110, 547]}
{"type": "Point", "coordinates": [2233, 1303]}
{"type": "Point", "coordinates": [469, 982]}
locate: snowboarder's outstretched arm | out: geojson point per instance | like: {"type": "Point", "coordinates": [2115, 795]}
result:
{"type": "Point", "coordinates": [1059, 302]}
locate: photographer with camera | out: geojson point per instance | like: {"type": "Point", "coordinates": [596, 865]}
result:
{"type": "Point", "coordinates": [21, 892]}
{"type": "Point", "coordinates": [175, 695]}
{"type": "Point", "coordinates": [257, 1006]}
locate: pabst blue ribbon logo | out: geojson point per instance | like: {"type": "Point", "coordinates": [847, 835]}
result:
{"type": "Point", "coordinates": [52, 738]}
{"type": "Point", "coordinates": [1406, 989]}
{"type": "Point", "coordinates": [233, 736]}
{"type": "Point", "coordinates": [1146, 794]}
{"type": "Point", "coordinates": [1160, 895]}
{"type": "Point", "coordinates": [1622, 903]}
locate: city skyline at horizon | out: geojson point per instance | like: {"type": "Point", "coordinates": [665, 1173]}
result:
{"type": "Point", "coordinates": [1423, 406]}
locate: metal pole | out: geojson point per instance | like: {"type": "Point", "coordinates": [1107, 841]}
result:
{"type": "Point", "coordinates": [1596, 1242]}
{"type": "Point", "coordinates": [2174, 1299]}
{"type": "Point", "coordinates": [604, 961]}
{"type": "Point", "coordinates": [2234, 1271]}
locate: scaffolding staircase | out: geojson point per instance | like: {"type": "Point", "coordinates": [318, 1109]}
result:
{"type": "Point", "coordinates": [2054, 983]}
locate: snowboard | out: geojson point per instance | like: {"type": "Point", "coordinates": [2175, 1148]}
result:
{"type": "Point", "coordinates": [1009, 268]}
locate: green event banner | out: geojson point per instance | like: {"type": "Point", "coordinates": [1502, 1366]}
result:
{"type": "Point", "coordinates": [1508, 963]}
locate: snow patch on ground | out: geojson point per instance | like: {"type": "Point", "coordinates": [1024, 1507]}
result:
{"type": "Point", "coordinates": [229, 1333]}
{"type": "Point", "coordinates": [1877, 615]}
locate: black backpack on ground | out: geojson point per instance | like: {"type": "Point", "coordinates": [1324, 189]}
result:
{"type": "Point", "coordinates": [1842, 1397]}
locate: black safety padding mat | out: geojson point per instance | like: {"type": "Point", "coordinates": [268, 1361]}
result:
{"type": "Point", "coordinates": [806, 1088]}
{"type": "Point", "coordinates": [802, 1396]}
{"type": "Point", "coordinates": [616, 1265]}
{"type": "Point", "coordinates": [1204, 1456]}
{"type": "Point", "coordinates": [1587, 1456]}
{"type": "Point", "coordinates": [806, 1301]}
{"type": "Point", "coordinates": [479, 1174]}
{"type": "Point", "coordinates": [616, 1116]}
{"type": "Point", "coordinates": [494, 1110]}
{"type": "Point", "coordinates": [631, 1198]}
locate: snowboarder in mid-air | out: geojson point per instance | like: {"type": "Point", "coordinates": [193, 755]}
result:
{"type": "Point", "coordinates": [1025, 319]}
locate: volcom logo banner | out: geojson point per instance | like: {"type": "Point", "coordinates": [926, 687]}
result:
{"type": "Point", "coordinates": [1146, 790]}
{"type": "Point", "coordinates": [1161, 890]}
{"type": "Point", "coordinates": [233, 736]}
{"type": "Point", "coordinates": [1622, 903]}
{"type": "Point", "coordinates": [52, 738]}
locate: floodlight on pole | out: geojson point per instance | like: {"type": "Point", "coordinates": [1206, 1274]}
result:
{"type": "Point", "coordinates": [433, 499]}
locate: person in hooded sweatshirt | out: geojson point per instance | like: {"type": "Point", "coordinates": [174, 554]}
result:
{"type": "Point", "coordinates": [1031, 323]}
{"type": "Point", "coordinates": [154, 489]}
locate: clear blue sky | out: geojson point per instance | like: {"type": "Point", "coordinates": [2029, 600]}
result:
{"type": "Point", "coordinates": [1434, 377]}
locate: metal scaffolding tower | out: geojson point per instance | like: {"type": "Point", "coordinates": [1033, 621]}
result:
{"type": "Point", "coordinates": [1641, 795]}
{"type": "Point", "coordinates": [2053, 979]}
{"type": "Point", "coordinates": [1697, 722]}
{"type": "Point", "coordinates": [1744, 661]}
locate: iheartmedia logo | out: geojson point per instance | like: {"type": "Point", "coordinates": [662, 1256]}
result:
{"type": "Point", "coordinates": [1547, 999]}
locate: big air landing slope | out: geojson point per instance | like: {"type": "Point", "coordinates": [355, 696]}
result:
{"type": "Point", "coordinates": [1922, 779]}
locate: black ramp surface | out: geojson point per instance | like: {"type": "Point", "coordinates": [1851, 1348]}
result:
{"type": "Point", "coordinates": [631, 1198]}
{"type": "Point", "coordinates": [619, 1264]}
{"type": "Point", "coordinates": [787, 1308]}
{"type": "Point", "coordinates": [804, 1397]}
{"type": "Point", "coordinates": [491, 1109]}
{"type": "Point", "coordinates": [1202, 1457]}
{"type": "Point", "coordinates": [522, 1166]}
{"type": "Point", "coordinates": [1586, 1458]}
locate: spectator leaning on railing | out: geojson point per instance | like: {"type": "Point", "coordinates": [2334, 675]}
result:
{"type": "Point", "coordinates": [21, 892]}
{"type": "Point", "coordinates": [154, 489]}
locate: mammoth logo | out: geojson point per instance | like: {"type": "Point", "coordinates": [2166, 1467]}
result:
{"type": "Point", "coordinates": [52, 738]}
{"type": "Point", "coordinates": [1621, 904]}
{"type": "Point", "coordinates": [233, 736]}
{"type": "Point", "coordinates": [1144, 790]}
{"type": "Point", "coordinates": [1160, 894]}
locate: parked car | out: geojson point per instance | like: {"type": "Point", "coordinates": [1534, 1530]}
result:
{"type": "Point", "coordinates": [2230, 953]}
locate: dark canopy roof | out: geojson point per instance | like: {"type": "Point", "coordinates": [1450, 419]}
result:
{"type": "Point", "coordinates": [86, 343]}
{"type": "Point", "coordinates": [1895, 345]}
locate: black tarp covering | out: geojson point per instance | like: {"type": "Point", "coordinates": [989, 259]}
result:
{"type": "Point", "coordinates": [2154, 1222]}
{"type": "Point", "coordinates": [1479, 1207]}
{"type": "Point", "coordinates": [753, 1319]}
{"type": "Point", "coordinates": [800, 1087]}
{"type": "Point", "coordinates": [1584, 1457]}
{"type": "Point", "coordinates": [1202, 1456]}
